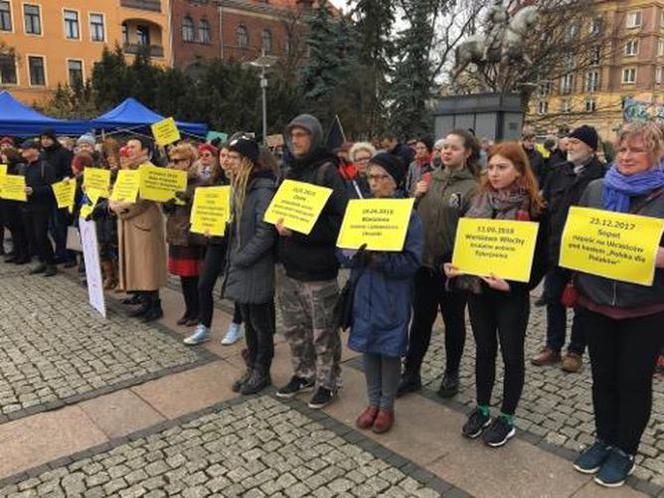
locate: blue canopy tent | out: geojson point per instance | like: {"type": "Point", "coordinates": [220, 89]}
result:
{"type": "Point", "coordinates": [131, 115]}
{"type": "Point", "coordinates": [19, 120]}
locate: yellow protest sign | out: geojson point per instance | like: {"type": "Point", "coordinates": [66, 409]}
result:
{"type": "Point", "coordinates": [126, 186]}
{"type": "Point", "coordinates": [211, 210]}
{"type": "Point", "coordinates": [160, 184]}
{"type": "Point", "coordinates": [618, 246]}
{"type": "Point", "coordinates": [64, 193]}
{"type": "Point", "coordinates": [381, 224]}
{"type": "Point", "coordinates": [165, 132]}
{"type": "Point", "coordinates": [96, 182]}
{"type": "Point", "coordinates": [299, 204]}
{"type": "Point", "coordinates": [86, 210]}
{"type": "Point", "coordinates": [12, 188]}
{"type": "Point", "coordinates": [3, 169]}
{"type": "Point", "coordinates": [502, 247]}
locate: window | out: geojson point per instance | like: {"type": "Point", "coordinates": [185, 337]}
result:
{"type": "Point", "coordinates": [590, 105]}
{"type": "Point", "coordinates": [143, 35]}
{"type": "Point", "coordinates": [188, 29]}
{"type": "Point", "coordinates": [565, 106]}
{"type": "Point", "coordinates": [634, 19]}
{"type": "Point", "coordinates": [544, 88]}
{"type": "Point", "coordinates": [568, 62]}
{"type": "Point", "coordinates": [596, 26]}
{"type": "Point", "coordinates": [204, 31]}
{"type": "Point", "coordinates": [571, 32]}
{"type": "Point", "coordinates": [660, 47]}
{"type": "Point", "coordinates": [242, 36]}
{"type": "Point", "coordinates": [595, 56]}
{"type": "Point", "coordinates": [32, 19]}
{"type": "Point", "coordinates": [71, 25]}
{"type": "Point", "coordinates": [287, 45]}
{"type": "Point", "coordinates": [567, 84]}
{"type": "Point", "coordinates": [75, 70]}
{"type": "Point", "coordinates": [629, 75]}
{"type": "Point", "coordinates": [592, 81]}
{"type": "Point", "coordinates": [5, 16]}
{"type": "Point", "coordinates": [8, 70]}
{"type": "Point", "coordinates": [266, 41]}
{"type": "Point", "coordinates": [661, 19]}
{"type": "Point", "coordinates": [36, 69]}
{"type": "Point", "coordinates": [97, 27]}
{"type": "Point", "coordinates": [632, 47]}
{"type": "Point", "coordinates": [542, 107]}
{"type": "Point", "coordinates": [125, 33]}
{"type": "Point", "coordinates": [658, 75]}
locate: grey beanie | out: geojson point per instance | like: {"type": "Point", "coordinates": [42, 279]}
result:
{"type": "Point", "coordinates": [86, 139]}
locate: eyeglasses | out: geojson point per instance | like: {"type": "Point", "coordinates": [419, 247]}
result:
{"type": "Point", "coordinates": [377, 177]}
{"type": "Point", "coordinates": [206, 154]}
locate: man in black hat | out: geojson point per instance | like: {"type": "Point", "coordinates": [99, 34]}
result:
{"type": "Point", "coordinates": [563, 190]}
{"type": "Point", "coordinates": [39, 176]}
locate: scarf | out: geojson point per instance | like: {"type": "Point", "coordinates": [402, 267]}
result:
{"type": "Point", "coordinates": [618, 188]}
{"type": "Point", "coordinates": [512, 205]}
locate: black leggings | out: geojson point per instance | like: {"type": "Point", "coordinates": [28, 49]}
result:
{"type": "Point", "coordinates": [499, 317]}
{"type": "Point", "coordinates": [190, 293]}
{"type": "Point", "coordinates": [430, 295]}
{"type": "Point", "coordinates": [212, 267]}
{"type": "Point", "coordinates": [259, 320]}
{"type": "Point", "coordinates": [623, 354]}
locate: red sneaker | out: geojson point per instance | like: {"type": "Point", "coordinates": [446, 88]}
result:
{"type": "Point", "coordinates": [384, 421]}
{"type": "Point", "coordinates": [367, 417]}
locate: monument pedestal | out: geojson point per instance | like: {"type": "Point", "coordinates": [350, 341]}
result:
{"type": "Point", "coordinates": [491, 115]}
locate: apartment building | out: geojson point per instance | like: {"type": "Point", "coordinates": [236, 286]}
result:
{"type": "Point", "coordinates": [626, 68]}
{"type": "Point", "coordinates": [58, 41]}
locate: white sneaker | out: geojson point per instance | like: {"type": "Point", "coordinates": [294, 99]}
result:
{"type": "Point", "coordinates": [200, 335]}
{"type": "Point", "coordinates": [234, 334]}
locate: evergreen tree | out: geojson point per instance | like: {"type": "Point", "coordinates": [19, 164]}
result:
{"type": "Point", "coordinates": [110, 81]}
{"type": "Point", "coordinates": [412, 77]}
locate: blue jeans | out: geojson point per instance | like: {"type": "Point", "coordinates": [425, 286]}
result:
{"type": "Point", "coordinates": [556, 314]}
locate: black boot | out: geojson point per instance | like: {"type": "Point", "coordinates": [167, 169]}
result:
{"type": "Point", "coordinates": [133, 300]}
{"type": "Point", "coordinates": [259, 380]}
{"type": "Point", "coordinates": [410, 382]}
{"type": "Point", "coordinates": [51, 270]}
{"type": "Point", "coordinates": [145, 304]}
{"type": "Point", "coordinates": [154, 311]}
{"type": "Point", "coordinates": [449, 386]}
{"type": "Point", "coordinates": [239, 384]}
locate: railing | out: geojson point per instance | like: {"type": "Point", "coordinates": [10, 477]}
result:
{"type": "Point", "coordinates": [153, 5]}
{"type": "Point", "coordinates": [136, 48]}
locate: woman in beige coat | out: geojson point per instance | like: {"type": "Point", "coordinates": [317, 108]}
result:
{"type": "Point", "coordinates": [143, 269]}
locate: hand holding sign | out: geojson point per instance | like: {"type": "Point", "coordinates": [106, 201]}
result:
{"type": "Point", "coordinates": [211, 210]}
{"type": "Point", "coordinates": [161, 184]}
{"type": "Point", "coordinates": [126, 186]}
{"type": "Point", "coordinates": [13, 188]}
{"type": "Point", "coordinates": [165, 132]}
{"type": "Point", "coordinates": [298, 205]}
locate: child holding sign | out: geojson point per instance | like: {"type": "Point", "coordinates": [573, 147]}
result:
{"type": "Point", "coordinates": [499, 309]}
{"type": "Point", "coordinates": [382, 301]}
{"type": "Point", "coordinates": [250, 278]}
{"type": "Point", "coordinates": [624, 322]}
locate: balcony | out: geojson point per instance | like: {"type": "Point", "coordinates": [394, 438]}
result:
{"type": "Point", "coordinates": [152, 5]}
{"type": "Point", "coordinates": [136, 48]}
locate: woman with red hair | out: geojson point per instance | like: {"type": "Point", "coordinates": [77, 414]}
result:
{"type": "Point", "coordinates": [499, 309]}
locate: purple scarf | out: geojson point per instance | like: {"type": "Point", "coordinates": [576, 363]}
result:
{"type": "Point", "coordinates": [618, 188]}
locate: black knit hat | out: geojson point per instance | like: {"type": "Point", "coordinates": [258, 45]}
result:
{"type": "Point", "coordinates": [587, 134]}
{"type": "Point", "coordinates": [30, 144]}
{"type": "Point", "coordinates": [245, 147]}
{"type": "Point", "coordinates": [392, 164]}
{"type": "Point", "coordinates": [49, 133]}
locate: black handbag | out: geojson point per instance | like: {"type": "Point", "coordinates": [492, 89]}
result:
{"type": "Point", "coordinates": [343, 308]}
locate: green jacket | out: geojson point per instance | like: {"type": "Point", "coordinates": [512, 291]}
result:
{"type": "Point", "coordinates": [447, 199]}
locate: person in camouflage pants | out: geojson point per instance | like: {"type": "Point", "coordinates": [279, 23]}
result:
{"type": "Point", "coordinates": [306, 312]}
{"type": "Point", "coordinates": [308, 291]}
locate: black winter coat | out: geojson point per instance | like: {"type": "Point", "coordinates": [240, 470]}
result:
{"type": "Point", "coordinates": [312, 258]}
{"type": "Point", "coordinates": [563, 190]}
{"type": "Point", "coordinates": [60, 160]}
{"type": "Point", "coordinates": [39, 175]}
{"type": "Point", "coordinates": [537, 165]}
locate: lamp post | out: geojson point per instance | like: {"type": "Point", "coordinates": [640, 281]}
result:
{"type": "Point", "coordinates": [264, 62]}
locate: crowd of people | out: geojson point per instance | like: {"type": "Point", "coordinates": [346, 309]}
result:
{"type": "Point", "coordinates": [397, 295]}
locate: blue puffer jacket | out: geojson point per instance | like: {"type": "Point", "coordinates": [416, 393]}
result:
{"type": "Point", "coordinates": [384, 294]}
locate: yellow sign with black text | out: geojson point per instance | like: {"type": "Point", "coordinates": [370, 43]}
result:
{"type": "Point", "coordinates": [165, 132]}
{"type": "Point", "coordinates": [65, 193]}
{"type": "Point", "coordinates": [298, 204]}
{"type": "Point", "coordinates": [381, 224]}
{"type": "Point", "coordinates": [618, 246]}
{"type": "Point", "coordinates": [161, 184]}
{"type": "Point", "coordinates": [126, 186]}
{"type": "Point", "coordinates": [12, 188]}
{"type": "Point", "coordinates": [211, 210]}
{"type": "Point", "coordinates": [504, 248]}
{"type": "Point", "coordinates": [96, 182]}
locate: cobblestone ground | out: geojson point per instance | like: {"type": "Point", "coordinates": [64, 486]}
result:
{"type": "Point", "coordinates": [554, 404]}
{"type": "Point", "coordinates": [54, 347]}
{"type": "Point", "coordinates": [258, 448]}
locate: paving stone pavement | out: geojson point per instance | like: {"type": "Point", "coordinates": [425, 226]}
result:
{"type": "Point", "coordinates": [554, 404]}
{"type": "Point", "coordinates": [55, 349]}
{"type": "Point", "coordinates": [255, 447]}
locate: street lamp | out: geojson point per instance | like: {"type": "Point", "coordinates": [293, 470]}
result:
{"type": "Point", "coordinates": [264, 62]}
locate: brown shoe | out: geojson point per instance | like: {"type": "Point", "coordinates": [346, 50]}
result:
{"type": "Point", "coordinates": [546, 356]}
{"type": "Point", "coordinates": [572, 362]}
{"type": "Point", "coordinates": [367, 418]}
{"type": "Point", "coordinates": [384, 421]}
